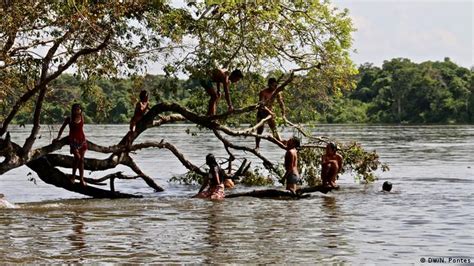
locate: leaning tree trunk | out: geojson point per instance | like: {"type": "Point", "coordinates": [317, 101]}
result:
{"type": "Point", "coordinates": [51, 175]}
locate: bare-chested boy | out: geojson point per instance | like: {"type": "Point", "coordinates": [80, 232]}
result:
{"type": "Point", "coordinates": [266, 95]}
{"type": "Point", "coordinates": [220, 76]}
{"type": "Point", "coordinates": [292, 175]}
{"type": "Point", "coordinates": [331, 165]}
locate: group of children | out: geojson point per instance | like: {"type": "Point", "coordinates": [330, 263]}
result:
{"type": "Point", "coordinates": [215, 182]}
{"type": "Point", "coordinates": [77, 139]}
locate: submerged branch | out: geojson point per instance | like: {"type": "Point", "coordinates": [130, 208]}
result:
{"type": "Point", "coordinates": [281, 194]}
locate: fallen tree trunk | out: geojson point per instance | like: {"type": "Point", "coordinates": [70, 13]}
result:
{"type": "Point", "coordinates": [51, 175]}
{"type": "Point", "coordinates": [281, 194]}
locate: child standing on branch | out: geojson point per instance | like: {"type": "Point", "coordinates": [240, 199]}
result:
{"type": "Point", "coordinates": [77, 140]}
{"type": "Point", "coordinates": [266, 97]}
{"type": "Point", "coordinates": [220, 77]}
{"type": "Point", "coordinates": [140, 110]}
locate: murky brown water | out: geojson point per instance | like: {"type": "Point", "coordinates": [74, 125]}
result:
{"type": "Point", "coordinates": [429, 213]}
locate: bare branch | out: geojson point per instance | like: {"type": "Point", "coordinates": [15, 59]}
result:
{"type": "Point", "coordinates": [130, 163]}
{"type": "Point", "coordinates": [267, 163]}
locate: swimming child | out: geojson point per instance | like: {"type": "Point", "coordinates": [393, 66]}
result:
{"type": "Point", "coordinates": [213, 180]}
{"type": "Point", "coordinates": [331, 165]}
{"type": "Point", "coordinates": [291, 164]}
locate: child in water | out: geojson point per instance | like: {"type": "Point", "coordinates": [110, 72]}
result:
{"type": "Point", "coordinates": [214, 180]}
{"type": "Point", "coordinates": [331, 165]}
{"type": "Point", "coordinates": [292, 176]}
{"type": "Point", "coordinates": [77, 140]}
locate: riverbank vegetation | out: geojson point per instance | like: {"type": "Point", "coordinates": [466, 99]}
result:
{"type": "Point", "coordinates": [400, 91]}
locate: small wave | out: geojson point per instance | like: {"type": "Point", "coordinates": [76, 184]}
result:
{"type": "Point", "coordinates": [443, 179]}
{"type": "Point", "coordinates": [4, 204]}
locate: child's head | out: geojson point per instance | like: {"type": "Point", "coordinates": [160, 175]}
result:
{"type": "Point", "coordinates": [76, 109]}
{"type": "Point", "coordinates": [272, 83]}
{"type": "Point", "coordinates": [211, 160]}
{"type": "Point", "coordinates": [331, 148]}
{"type": "Point", "coordinates": [143, 96]}
{"type": "Point", "coordinates": [293, 143]}
{"type": "Point", "coordinates": [387, 186]}
{"type": "Point", "coordinates": [236, 75]}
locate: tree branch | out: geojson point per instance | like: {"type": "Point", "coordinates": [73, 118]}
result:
{"type": "Point", "coordinates": [128, 161]}
{"type": "Point", "coordinates": [267, 163]}
{"type": "Point", "coordinates": [51, 175]}
{"type": "Point", "coordinates": [23, 99]}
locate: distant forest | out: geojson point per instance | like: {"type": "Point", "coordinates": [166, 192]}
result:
{"type": "Point", "coordinates": [400, 91]}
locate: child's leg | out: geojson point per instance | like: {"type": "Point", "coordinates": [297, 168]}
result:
{"type": "Point", "coordinates": [81, 166]}
{"type": "Point", "coordinates": [333, 178]}
{"type": "Point", "coordinates": [75, 164]}
{"type": "Point", "coordinates": [212, 108]}
{"type": "Point", "coordinates": [291, 187]}
{"type": "Point", "coordinates": [273, 127]}
{"type": "Point", "coordinates": [325, 168]}
{"type": "Point", "coordinates": [259, 132]}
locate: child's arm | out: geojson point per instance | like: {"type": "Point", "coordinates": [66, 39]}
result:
{"type": "Point", "coordinates": [215, 175]}
{"type": "Point", "coordinates": [323, 159]}
{"type": "Point", "coordinates": [205, 182]}
{"type": "Point", "coordinates": [288, 160]}
{"type": "Point", "coordinates": [339, 161]}
{"type": "Point", "coordinates": [66, 121]}
{"type": "Point", "coordinates": [282, 104]}
{"type": "Point", "coordinates": [226, 94]}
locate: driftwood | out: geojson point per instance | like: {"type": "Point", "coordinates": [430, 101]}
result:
{"type": "Point", "coordinates": [281, 194]}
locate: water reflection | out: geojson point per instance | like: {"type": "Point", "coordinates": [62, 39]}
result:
{"type": "Point", "coordinates": [333, 224]}
{"type": "Point", "coordinates": [77, 236]}
{"type": "Point", "coordinates": [215, 233]}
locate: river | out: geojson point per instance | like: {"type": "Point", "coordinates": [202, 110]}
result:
{"type": "Point", "coordinates": [429, 212]}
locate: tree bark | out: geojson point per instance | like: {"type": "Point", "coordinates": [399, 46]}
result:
{"type": "Point", "coordinates": [281, 194]}
{"type": "Point", "coordinates": [51, 175]}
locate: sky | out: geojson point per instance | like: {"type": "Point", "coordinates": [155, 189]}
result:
{"type": "Point", "coordinates": [420, 30]}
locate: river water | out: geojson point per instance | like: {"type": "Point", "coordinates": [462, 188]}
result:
{"type": "Point", "coordinates": [429, 212]}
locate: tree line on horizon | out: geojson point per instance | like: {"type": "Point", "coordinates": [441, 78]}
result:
{"type": "Point", "coordinates": [400, 91]}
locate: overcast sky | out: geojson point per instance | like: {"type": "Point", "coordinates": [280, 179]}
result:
{"type": "Point", "coordinates": [420, 30]}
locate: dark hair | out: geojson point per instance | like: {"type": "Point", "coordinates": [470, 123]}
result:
{"type": "Point", "coordinates": [333, 146]}
{"type": "Point", "coordinates": [211, 160]}
{"type": "Point", "coordinates": [271, 80]}
{"type": "Point", "coordinates": [297, 141]}
{"type": "Point", "coordinates": [237, 74]}
{"type": "Point", "coordinates": [143, 94]}
{"type": "Point", "coordinates": [74, 106]}
{"type": "Point", "coordinates": [387, 186]}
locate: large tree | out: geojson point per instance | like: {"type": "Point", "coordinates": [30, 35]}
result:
{"type": "Point", "coordinates": [40, 40]}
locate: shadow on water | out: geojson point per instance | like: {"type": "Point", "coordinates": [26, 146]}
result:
{"type": "Point", "coordinates": [77, 236]}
